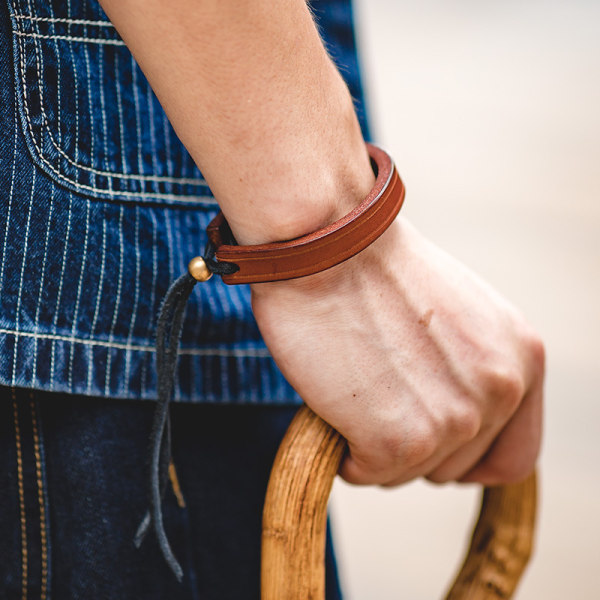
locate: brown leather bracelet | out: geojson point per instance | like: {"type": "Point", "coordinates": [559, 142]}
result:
{"type": "Point", "coordinates": [322, 249]}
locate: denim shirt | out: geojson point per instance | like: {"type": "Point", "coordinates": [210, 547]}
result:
{"type": "Point", "coordinates": [101, 207]}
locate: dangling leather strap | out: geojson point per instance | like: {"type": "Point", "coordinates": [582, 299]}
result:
{"type": "Point", "coordinates": [322, 249]}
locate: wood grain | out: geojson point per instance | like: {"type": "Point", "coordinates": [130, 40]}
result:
{"type": "Point", "coordinates": [295, 520]}
{"type": "Point", "coordinates": [501, 543]}
{"type": "Point", "coordinates": [295, 513]}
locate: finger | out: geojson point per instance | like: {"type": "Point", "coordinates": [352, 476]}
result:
{"type": "Point", "coordinates": [392, 456]}
{"type": "Point", "coordinates": [521, 427]}
{"type": "Point", "coordinates": [411, 453]}
{"type": "Point", "coordinates": [464, 459]}
{"type": "Point", "coordinates": [447, 464]}
{"type": "Point", "coordinates": [355, 472]}
{"type": "Point", "coordinates": [513, 454]}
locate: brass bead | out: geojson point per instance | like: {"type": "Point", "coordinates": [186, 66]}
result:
{"type": "Point", "coordinates": [198, 269]}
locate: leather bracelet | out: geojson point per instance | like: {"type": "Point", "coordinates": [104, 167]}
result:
{"type": "Point", "coordinates": [321, 249]}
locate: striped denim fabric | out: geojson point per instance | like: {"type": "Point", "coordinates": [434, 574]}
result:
{"type": "Point", "coordinates": [101, 207]}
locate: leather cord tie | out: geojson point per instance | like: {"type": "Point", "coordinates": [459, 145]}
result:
{"type": "Point", "coordinates": [278, 261]}
{"type": "Point", "coordinates": [168, 334]}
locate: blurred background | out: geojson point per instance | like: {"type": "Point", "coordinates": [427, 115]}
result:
{"type": "Point", "coordinates": [492, 113]}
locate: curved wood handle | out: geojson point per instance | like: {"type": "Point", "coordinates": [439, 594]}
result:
{"type": "Point", "coordinates": [295, 521]}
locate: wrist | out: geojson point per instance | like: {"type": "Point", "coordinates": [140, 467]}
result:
{"type": "Point", "coordinates": [308, 181]}
{"type": "Point", "coordinates": [312, 200]}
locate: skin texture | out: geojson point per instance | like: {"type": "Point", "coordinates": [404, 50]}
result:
{"type": "Point", "coordinates": [417, 362]}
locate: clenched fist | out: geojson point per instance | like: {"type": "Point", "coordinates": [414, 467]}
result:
{"type": "Point", "coordinates": [419, 364]}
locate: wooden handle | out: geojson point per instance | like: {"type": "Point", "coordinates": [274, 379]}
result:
{"type": "Point", "coordinates": [295, 521]}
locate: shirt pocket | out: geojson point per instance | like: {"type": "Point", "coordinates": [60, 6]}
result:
{"type": "Point", "coordinates": [89, 116]}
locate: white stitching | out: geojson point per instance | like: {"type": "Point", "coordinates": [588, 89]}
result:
{"type": "Point", "coordinates": [104, 118]}
{"type": "Point", "coordinates": [98, 297]}
{"type": "Point", "coordinates": [170, 248]}
{"type": "Point", "coordinates": [165, 122]}
{"type": "Point", "coordinates": [138, 125]}
{"type": "Point", "coordinates": [150, 328]}
{"type": "Point", "coordinates": [58, 94]}
{"type": "Point", "coordinates": [41, 92]}
{"type": "Point", "coordinates": [39, 302]}
{"type": "Point", "coordinates": [103, 107]}
{"type": "Point", "coordinates": [22, 276]}
{"type": "Point", "coordinates": [136, 297]}
{"type": "Point", "coordinates": [139, 178]}
{"type": "Point", "coordinates": [62, 278]}
{"type": "Point", "coordinates": [66, 21]}
{"type": "Point", "coordinates": [115, 317]}
{"type": "Point", "coordinates": [84, 256]}
{"type": "Point", "coordinates": [225, 352]}
{"type": "Point", "coordinates": [90, 106]}
{"type": "Point", "coordinates": [120, 113]}
{"type": "Point", "coordinates": [84, 263]}
{"type": "Point", "coordinates": [153, 150]}
{"type": "Point", "coordinates": [10, 200]}
{"type": "Point", "coordinates": [70, 38]}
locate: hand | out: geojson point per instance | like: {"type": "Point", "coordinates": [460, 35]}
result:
{"type": "Point", "coordinates": [419, 364]}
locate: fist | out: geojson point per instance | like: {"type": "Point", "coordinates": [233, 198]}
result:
{"type": "Point", "coordinates": [420, 365]}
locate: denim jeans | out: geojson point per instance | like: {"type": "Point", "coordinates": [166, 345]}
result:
{"type": "Point", "coordinates": [72, 489]}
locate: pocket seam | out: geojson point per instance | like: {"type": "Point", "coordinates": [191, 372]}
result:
{"type": "Point", "coordinates": [118, 174]}
{"type": "Point", "coordinates": [37, 151]}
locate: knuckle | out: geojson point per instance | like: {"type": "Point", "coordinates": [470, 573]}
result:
{"type": "Point", "coordinates": [464, 423]}
{"type": "Point", "coordinates": [392, 443]}
{"type": "Point", "coordinates": [421, 444]}
{"type": "Point", "coordinates": [407, 448]}
{"type": "Point", "coordinates": [505, 386]}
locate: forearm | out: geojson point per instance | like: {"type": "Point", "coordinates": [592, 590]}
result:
{"type": "Point", "coordinates": [253, 95]}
